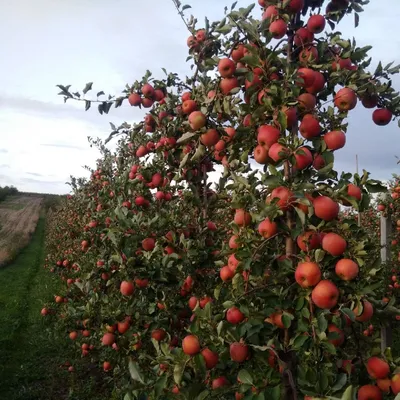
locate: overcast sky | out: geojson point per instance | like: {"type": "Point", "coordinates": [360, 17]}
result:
{"type": "Point", "coordinates": [49, 42]}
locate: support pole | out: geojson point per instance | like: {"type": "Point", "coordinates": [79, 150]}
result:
{"type": "Point", "coordinates": [386, 228]}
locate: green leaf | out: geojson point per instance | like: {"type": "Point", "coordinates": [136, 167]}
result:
{"type": "Point", "coordinates": [286, 320]}
{"type": "Point", "coordinates": [178, 372]}
{"type": "Point", "coordinates": [185, 137]}
{"type": "Point", "coordinates": [299, 341]}
{"type": "Point", "coordinates": [224, 29]}
{"type": "Point", "coordinates": [349, 313]}
{"type": "Point", "coordinates": [273, 393]}
{"type": "Point", "coordinates": [379, 69]}
{"type": "Point", "coordinates": [319, 255]}
{"type": "Point", "coordinates": [87, 104]}
{"type": "Point", "coordinates": [228, 304]}
{"type": "Point", "coordinates": [160, 385]}
{"type": "Point", "coordinates": [87, 87]}
{"type": "Point", "coordinates": [340, 382]}
{"type": "Point", "coordinates": [356, 20]}
{"type": "Point", "coordinates": [245, 377]}
{"type": "Point", "coordinates": [128, 396]}
{"type": "Point", "coordinates": [322, 323]}
{"type": "Point", "coordinates": [375, 187]}
{"type": "Point", "coordinates": [135, 372]}
{"type": "Point", "coordinates": [200, 151]}
{"type": "Point", "coordinates": [185, 7]}
{"type": "Point", "coordinates": [251, 60]}
{"type": "Point", "coordinates": [204, 394]}
{"type": "Point", "coordinates": [184, 161]}
{"type": "Point", "coordinates": [200, 363]}
{"type": "Point", "coordinates": [301, 214]}
{"type": "Point", "coordinates": [348, 394]}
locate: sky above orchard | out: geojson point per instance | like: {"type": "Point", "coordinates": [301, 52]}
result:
{"type": "Point", "coordinates": [49, 42]}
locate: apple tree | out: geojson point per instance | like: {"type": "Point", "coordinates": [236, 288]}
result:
{"type": "Point", "coordinates": [243, 283]}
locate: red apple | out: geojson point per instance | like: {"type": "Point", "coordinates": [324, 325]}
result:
{"type": "Point", "coordinates": [228, 84]}
{"type": "Point", "coordinates": [284, 195]}
{"type": "Point", "coordinates": [382, 116]}
{"type": "Point", "coordinates": [354, 191]}
{"type": "Point", "coordinates": [267, 135]}
{"type": "Point", "coordinates": [366, 313]}
{"type": "Point", "coordinates": [369, 392]}
{"type": "Point", "coordinates": [135, 99]}
{"type": "Point", "coordinates": [189, 106]}
{"type": "Point", "coordinates": [318, 85]}
{"type": "Point", "coordinates": [307, 274]}
{"type": "Point", "coordinates": [277, 152]}
{"type": "Point", "coordinates": [210, 138]}
{"type": "Point", "coordinates": [226, 67]}
{"type": "Point", "coordinates": [338, 341]}
{"type": "Point", "coordinates": [234, 316]}
{"type": "Point", "coordinates": [303, 37]}
{"type": "Point", "coordinates": [242, 217]}
{"type": "Point", "coordinates": [325, 208]}
{"type": "Point", "coordinates": [210, 358]}
{"type": "Point", "coordinates": [191, 345]}
{"type": "Point", "coordinates": [309, 127]}
{"type": "Point", "coordinates": [226, 273]}
{"type": "Point", "coordinates": [325, 294]}
{"type": "Point", "coordinates": [270, 12]}
{"type": "Point", "coordinates": [346, 269]}
{"type": "Point", "coordinates": [316, 23]}
{"type": "Point", "coordinates": [307, 102]}
{"type": "Point", "coordinates": [278, 28]}
{"type": "Point", "coordinates": [238, 351]}
{"type": "Point", "coordinates": [147, 90]}
{"type": "Point", "coordinates": [335, 140]}
{"type": "Point", "coordinates": [308, 241]}
{"type": "Point", "coordinates": [395, 384]}
{"type": "Point", "coordinates": [220, 382]}
{"type": "Point", "coordinates": [334, 244]}
{"type": "Point", "coordinates": [148, 244]}
{"type": "Point", "coordinates": [345, 99]}
{"type": "Point", "coordinates": [261, 154]}
{"type": "Point", "coordinates": [267, 228]}
{"type": "Point", "coordinates": [127, 288]}
{"type": "Point", "coordinates": [303, 158]}
{"type": "Point", "coordinates": [377, 368]}
{"type": "Point", "coordinates": [307, 76]}
{"type": "Point", "coordinates": [309, 55]}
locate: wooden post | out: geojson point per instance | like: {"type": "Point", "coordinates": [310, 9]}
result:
{"type": "Point", "coordinates": [386, 229]}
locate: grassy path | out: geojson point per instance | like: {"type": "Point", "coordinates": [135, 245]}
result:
{"type": "Point", "coordinates": [28, 359]}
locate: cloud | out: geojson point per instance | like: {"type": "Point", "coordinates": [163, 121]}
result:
{"type": "Point", "coordinates": [33, 174]}
{"type": "Point", "coordinates": [66, 146]}
{"type": "Point", "coordinates": [41, 181]}
{"type": "Point", "coordinates": [40, 128]}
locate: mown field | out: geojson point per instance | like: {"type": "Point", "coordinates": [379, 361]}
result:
{"type": "Point", "coordinates": [19, 216]}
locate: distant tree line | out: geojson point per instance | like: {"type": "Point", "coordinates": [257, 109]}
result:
{"type": "Point", "coordinates": [7, 191]}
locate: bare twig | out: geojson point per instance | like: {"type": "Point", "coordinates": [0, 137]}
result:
{"type": "Point", "coordinates": [180, 12]}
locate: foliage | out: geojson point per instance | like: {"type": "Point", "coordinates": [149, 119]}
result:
{"type": "Point", "coordinates": [181, 287]}
{"type": "Point", "coordinates": [7, 191]}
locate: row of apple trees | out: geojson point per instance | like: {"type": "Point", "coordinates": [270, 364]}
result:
{"type": "Point", "coordinates": [205, 256]}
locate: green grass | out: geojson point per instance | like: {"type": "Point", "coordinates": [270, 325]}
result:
{"type": "Point", "coordinates": [13, 206]}
{"type": "Point", "coordinates": [30, 358]}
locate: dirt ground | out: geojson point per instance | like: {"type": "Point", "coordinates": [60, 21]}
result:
{"type": "Point", "coordinates": [19, 216]}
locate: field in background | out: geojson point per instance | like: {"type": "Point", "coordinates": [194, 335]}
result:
{"type": "Point", "coordinates": [19, 216]}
